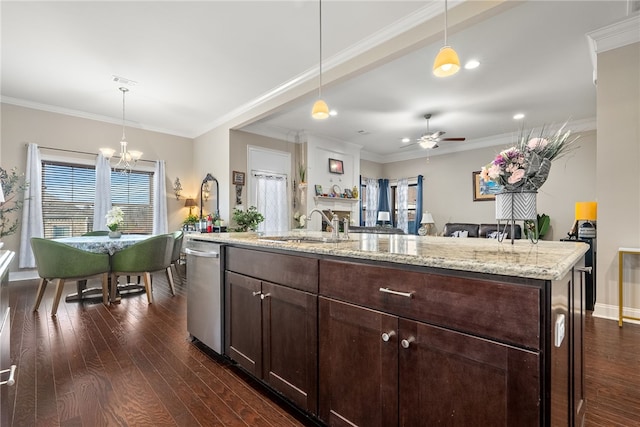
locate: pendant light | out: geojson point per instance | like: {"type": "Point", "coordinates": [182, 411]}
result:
{"type": "Point", "coordinates": [446, 63]}
{"type": "Point", "coordinates": [128, 159]}
{"type": "Point", "coordinates": [320, 109]}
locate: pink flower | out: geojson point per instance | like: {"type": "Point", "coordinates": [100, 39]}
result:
{"type": "Point", "coordinates": [494, 172]}
{"type": "Point", "coordinates": [516, 176]}
{"type": "Point", "coordinates": [537, 144]}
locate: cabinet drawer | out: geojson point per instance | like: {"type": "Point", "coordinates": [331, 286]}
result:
{"type": "Point", "coordinates": [289, 270]}
{"type": "Point", "coordinates": [506, 312]}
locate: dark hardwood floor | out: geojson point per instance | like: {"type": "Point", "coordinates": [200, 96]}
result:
{"type": "Point", "coordinates": [132, 364]}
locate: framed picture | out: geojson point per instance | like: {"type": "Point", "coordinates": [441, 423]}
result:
{"type": "Point", "coordinates": [318, 190]}
{"type": "Point", "coordinates": [335, 166]}
{"type": "Point", "coordinates": [348, 193]}
{"type": "Point", "coordinates": [482, 190]}
{"type": "Point", "coordinates": [238, 178]}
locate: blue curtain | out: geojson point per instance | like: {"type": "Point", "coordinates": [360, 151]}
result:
{"type": "Point", "coordinates": [416, 225]}
{"type": "Point", "coordinates": [384, 200]}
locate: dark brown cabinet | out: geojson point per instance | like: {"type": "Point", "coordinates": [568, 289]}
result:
{"type": "Point", "coordinates": [380, 370]}
{"type": "Point", "coordinates": [272, 332]}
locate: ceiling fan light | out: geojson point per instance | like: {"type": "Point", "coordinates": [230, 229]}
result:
{"type": "Point", "coordinates": [320, 110]}
{"type": "Point", "coordinates": [446, 63]}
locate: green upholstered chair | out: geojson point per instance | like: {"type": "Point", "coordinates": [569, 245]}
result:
{"type": "Point", "coordinates": [178, 236]}
{"type": "Point", "coordinates": [62, 263]}
{"type": "Point", "coordinates": [142, 259]}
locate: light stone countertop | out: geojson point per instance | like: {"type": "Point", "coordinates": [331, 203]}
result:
{"type": "Point", "coordinates": [547, 260]}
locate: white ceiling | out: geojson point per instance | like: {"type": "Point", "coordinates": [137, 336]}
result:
{"type": "Point", "coordinates": [198, 63]}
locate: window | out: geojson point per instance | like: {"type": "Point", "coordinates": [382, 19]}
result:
{"type": "Point", "coordinates": [412, 199]}
{"type": "Point", "coordinates": [68, 195]}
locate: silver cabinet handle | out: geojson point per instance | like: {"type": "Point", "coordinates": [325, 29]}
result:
{"type": "Point", "coordinates": [406, 343]}
{"type": "Point", "coordinates": [401, 294]}
{"type": "Point", "coordinates": [386, 336]}
{"type": "Point", "coordinates": [584, 269]}
{"type": "Point", "coordinates": [256, 293]}
{"type": "Point", "coordinates": [201, 254]}
{"type": "Point", "coordinates": [11, 380]}
{"type": "Point", "coordinates": [263, 296]}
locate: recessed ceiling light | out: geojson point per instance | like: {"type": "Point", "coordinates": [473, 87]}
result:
{"type": "Point", "coordinates": [471, 64]}
{"type": "Point", "coordinates": [333, 113]}
{"type": "Point", "coordinates": [518, 116]}
{"type": "Point", "coordinates": [405, 140]}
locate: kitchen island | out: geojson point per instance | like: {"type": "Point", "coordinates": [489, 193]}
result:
{"type": "Point", "coordinates": [406, 330]}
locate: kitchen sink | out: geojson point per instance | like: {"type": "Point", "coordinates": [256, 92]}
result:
{"type": "Point", "coordinates": [298, 239]}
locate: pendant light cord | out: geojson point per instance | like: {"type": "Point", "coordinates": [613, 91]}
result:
{"type": "Point", "coordinates": [445, 23]}
{"type": "Point", "coordinates": [320, 77]}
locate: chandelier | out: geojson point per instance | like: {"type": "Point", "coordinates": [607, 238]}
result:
{"type": "Point", "coordinates": [127, 158]}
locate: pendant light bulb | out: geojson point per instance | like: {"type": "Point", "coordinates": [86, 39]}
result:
{"type": "Point", "coordinates": [320, 110]}
{"type": "Point", "coordinates": [447, 62]}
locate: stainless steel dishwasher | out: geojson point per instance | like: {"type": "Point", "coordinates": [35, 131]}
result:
{"type": "Point", "coordinates": [204, 293]}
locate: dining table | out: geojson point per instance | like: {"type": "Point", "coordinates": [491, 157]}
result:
{"type": "Point", "coordinates": [104, 245]}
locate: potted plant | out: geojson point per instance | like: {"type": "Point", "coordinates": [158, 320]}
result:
{"type": "Point", "coordinates": [302, 174]}
{"type": "Point", "coordinates": [13, 186]}
{"type": "Point", "coordinates": [247, 220]}
{"type": "Point", "coordinates": [115, 218]}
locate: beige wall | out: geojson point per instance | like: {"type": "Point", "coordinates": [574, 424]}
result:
{"type": "Point", "coordinates": [617, 169]}
{"type": "Point", "coordinates": [448, 184]}
{"type": "Point", "coordinates": [23, 125]}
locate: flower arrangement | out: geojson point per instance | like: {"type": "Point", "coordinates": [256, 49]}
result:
{"type": "Point", "coordinates": [13, 186]}
{"type": "Point", "coordinates": [115, 218]}
{"type": "Point", "coordinates": [300, 219]}
{"type": "Point", "coordinates": [526, 166]}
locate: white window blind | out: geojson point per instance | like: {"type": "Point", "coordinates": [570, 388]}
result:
{"type": "Point", "coordinates": [68, 194]}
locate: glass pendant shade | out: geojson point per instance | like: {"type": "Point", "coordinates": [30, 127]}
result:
{"type": "Point", "coordinates": [320, 110]}
{"type": "Point", "coordinates": [446, 63]}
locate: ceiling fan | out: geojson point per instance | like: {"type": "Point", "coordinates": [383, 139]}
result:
{"type": "Point", "coordinates": [430, 140]}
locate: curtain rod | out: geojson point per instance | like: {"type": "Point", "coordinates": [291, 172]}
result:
{"type": "Point", "coordinates": [82, 152]}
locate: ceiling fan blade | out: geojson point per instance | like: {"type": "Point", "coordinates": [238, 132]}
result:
{"type": "Point", "coordinates": [453, 139]}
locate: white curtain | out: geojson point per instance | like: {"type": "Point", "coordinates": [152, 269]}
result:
{"type": "Point", "coordinates": [160, 221]}
{"type": "Point", "coordinates": [371, 202]}
{"type": "Point", "coordinates": [403, 205]}
{"type": "Point", "coordinates": [271, 202]}
{"type": "Point", "coordinates": [102, 202]}
{"type": "Point", "coordinates": [32, 223]}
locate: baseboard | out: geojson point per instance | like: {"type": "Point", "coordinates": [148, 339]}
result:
{"type": "Point", "coordinates": [17, 276]}
{"type": "Point", "coordinates": [608, 311]}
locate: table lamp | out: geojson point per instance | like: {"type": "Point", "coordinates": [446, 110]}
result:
{"type": "Point", "coordinates": [585, 217]}
{"type": "Point", "coordinates": [427, 224]}
{"type": "Point", "coordinates": [383, 216]}
{"type": "Point", "coordinates": [190, 203]}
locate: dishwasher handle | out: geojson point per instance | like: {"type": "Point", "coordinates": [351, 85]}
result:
{"type": "Point", "coordinates": [202, 254]}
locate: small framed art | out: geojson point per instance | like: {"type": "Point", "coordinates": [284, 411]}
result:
{"type": "Point", "coordinates": [482, 190]}
{"type": "Point", "coordinates": [238, 178]}
{"type": "Point", "coordinates": [336, 166]}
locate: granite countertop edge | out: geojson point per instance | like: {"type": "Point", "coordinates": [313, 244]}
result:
{"type": "Point", "coordinates": [546, 260]}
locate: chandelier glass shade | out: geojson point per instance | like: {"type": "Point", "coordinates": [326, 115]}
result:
{"type": "Point", "coordinates": [127, 159]}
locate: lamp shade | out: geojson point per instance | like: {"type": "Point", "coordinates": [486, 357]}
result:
{"type": "Point", "coordinates": [188, 203]}
{"type": "Point", "coordinates": [320, 110]}
{"type": "Point", "coordinates": [383, 216]}
{"type": "Point", "coordinates": [427, 218]}
{"type": "Point", "coordinates": [446, 63]}
{"type": "Point", "coordinates": [587, 211]}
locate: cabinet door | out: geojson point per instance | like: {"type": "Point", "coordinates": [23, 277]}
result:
{"type": "Point", "coordinates": [290, 343]}
{"type": "Point", "coordinates": [358, 369]}
{"type": "Point", "coordinates": [454, 379]}
{"type": "Point", "coordinates": [243, 328]}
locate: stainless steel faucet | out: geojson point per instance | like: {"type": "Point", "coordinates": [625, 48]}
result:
{"type": "Point", "coordinates": [334, 222]}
